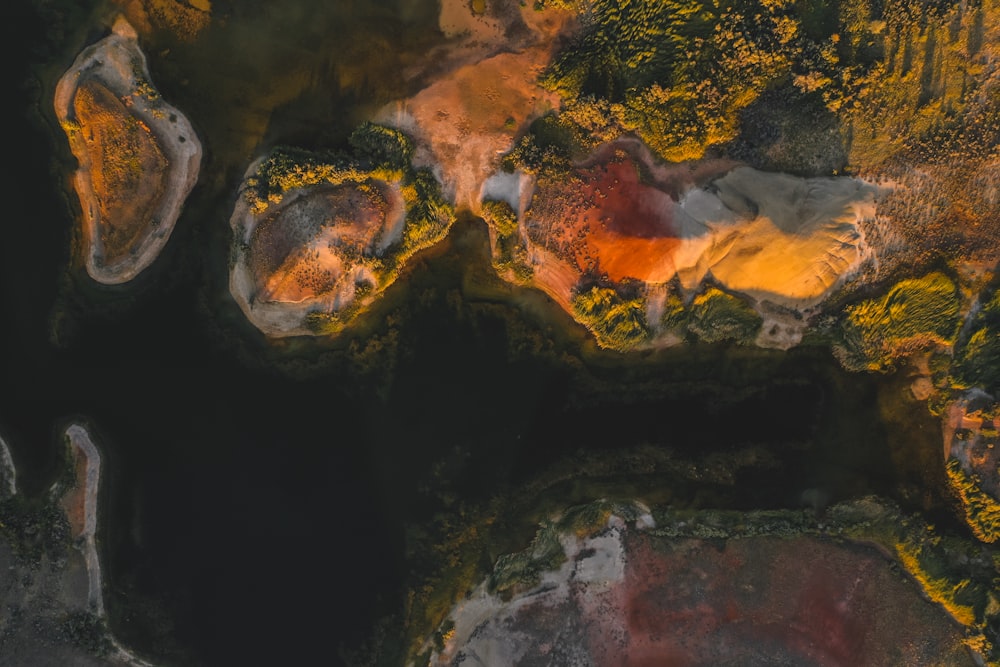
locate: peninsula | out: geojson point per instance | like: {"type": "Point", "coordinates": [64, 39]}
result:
{"type": "Point", "coordinates": [138, 156]}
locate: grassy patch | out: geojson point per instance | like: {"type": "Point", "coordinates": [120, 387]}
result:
{"type": "Point", "coordinates": [914, 314]}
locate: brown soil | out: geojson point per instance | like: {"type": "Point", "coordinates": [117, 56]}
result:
{"type": "Point", "coordinates": [129, 169]}
{"type": "Point", "coordinates": [301, 251]}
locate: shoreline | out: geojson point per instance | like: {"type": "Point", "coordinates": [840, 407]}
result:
{"type": "Point", "coordinates": [85, 539]}
{"type": "Point", "coordinates": [8, 473]}
{"type": "Point", "coordinates": [280, 318]}
{"type": "Point", "coordinates": [118, 63]}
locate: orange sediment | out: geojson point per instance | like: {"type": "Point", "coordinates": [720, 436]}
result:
{"type": "Point", "coordinates": [128, 168]}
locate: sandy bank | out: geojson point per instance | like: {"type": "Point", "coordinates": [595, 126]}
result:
{"type": "Point", "coordinates": [785, 243]}
{"type": "Point", "coordinates": [111, 200]}
{"type": "Point", "coordinates": [80, 505]}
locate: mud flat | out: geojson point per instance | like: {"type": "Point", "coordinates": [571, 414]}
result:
{"type": "Point", "coordinates": [469, 117]}
{"type": "Point", "coordinates": [138, 156]}
{"type": "Point", "coordinates": [752, 589]}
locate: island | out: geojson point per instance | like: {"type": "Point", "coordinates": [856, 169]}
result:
{"type": "Point", "coordinates": [138, 156]}
{"type": "Point", "coordinates": [317, 237]}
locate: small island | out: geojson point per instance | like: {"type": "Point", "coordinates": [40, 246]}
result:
{"type": "Point", "coordinates": [54, 591]}
{"type": "Point", "coordinates": [317, 237]}
{"type": "Point", "coordinates": [138, 156]}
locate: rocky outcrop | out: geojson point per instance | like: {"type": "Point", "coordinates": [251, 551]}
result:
{"type": "Point", "coordinates": [8, 474]}
{"type": "Point", "coordinates": [138, 156]}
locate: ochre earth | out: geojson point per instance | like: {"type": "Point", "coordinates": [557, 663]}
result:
{"type": "Point", "coordinates": [128, 167]}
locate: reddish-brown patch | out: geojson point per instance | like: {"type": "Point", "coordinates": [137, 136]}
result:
{"type": "Point", "coordinates": [613, 222]}
{"type": "Point", "coordinates": [806, 601]}
{"type": "Point", "coordinates": [752, 601]}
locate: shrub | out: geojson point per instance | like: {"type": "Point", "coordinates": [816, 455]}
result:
{"type": "Point", "coordinates": [429, 216]}
{"type": "Point", "coordinates": [978, 358]}
{"type": "Point", "coordinates": [716, 316]}
{"type": "Point", "coordinates": [982, 511]}
{"type": "Point", "coordinates": [617, 323]}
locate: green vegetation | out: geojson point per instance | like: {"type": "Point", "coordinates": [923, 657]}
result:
{"type": "Point", "coordinates": [286, 169]}
{"type": "Point", "coordinates": [716, 316]}
{"type": "Point", "coordinates": [982, 511]}
{"type": "Point", "coordinates": [521, 571]}
{"type": "Point", "coordinates": [959, 575]}
{"type": "Point", "coordinates": [35, 527]}
{"type": "Point", "coordinates": [381, 154]}
{"type": "Point", "coordinates": [977, 359]}
{"type": "Point", "coordinates": [675, 316]}
{"type": "Point", "coordinates": [87, 631]}
{"type": "Point", "coordinates": [617, 322]}
{"type": "Point", "coordinates": [915, 314]}
{"type": "Point", "coordinates": [540, 155]}
{"type": "Point", "coordinates": [510, 257]}
{"type": "Point", "coordinates": [678, 72]}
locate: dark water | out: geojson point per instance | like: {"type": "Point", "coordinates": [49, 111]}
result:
{"type": "Point", "coordinates": [257, 496]}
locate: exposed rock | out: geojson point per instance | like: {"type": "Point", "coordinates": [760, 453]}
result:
{"type": "Point", "coordinates": [8, 474]}
{"type": "Point", "coordinates": [138, 156]}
